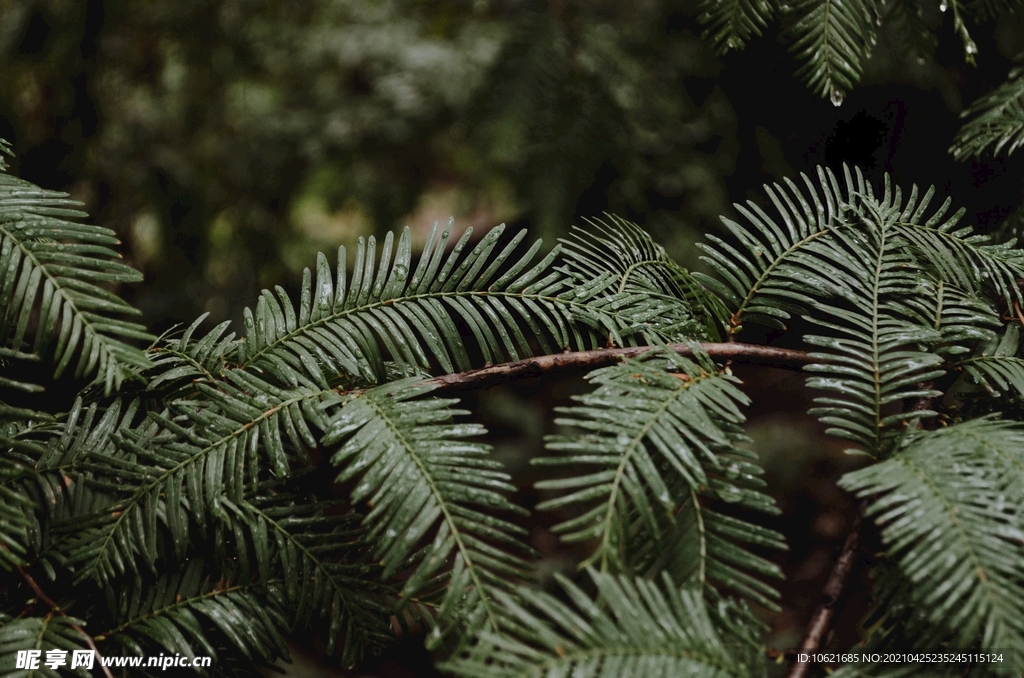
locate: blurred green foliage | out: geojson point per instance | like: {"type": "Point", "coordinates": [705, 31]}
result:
{"type": "Point", "coordinates": [228, 141]}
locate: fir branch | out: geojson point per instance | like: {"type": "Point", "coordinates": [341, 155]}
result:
{"type": "Point", "coordinates": [423, 479]}
{"type": "Point", "coordinates": [53, 268]}
{"type": "Point", "coordinates": [730, 24]}
{"type": "Point", "coordinates": [634, 627]}
{"type": "Point", "coordinates": [574, 362]}
{"type": "Point", "coordinates": [344, 326]}
{"type": "Point", "coordinates": [947, 504]}
{"type": "Point", "coordinates": [643, 268]}
{"type": "Point", "coordinates": [835, 38]}
{"type": "Point", "coordinates": [657, 433]}
{"type": "Point", "coordinates": [178, 610]}
{"type": "Point", "coordinates": [995, 121]}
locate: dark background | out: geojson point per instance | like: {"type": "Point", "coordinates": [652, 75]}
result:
{"type": "Point", "coordinates": [227, 142]}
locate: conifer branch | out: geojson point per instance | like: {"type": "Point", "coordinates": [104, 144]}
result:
{"type": "Point", "coordinates": [582, 361]}
{"type": "Point", "coordinates": [900, 296]}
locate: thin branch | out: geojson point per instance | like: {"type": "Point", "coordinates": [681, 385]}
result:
{"type": "Point", "coordinates": [822, 619]}
{"type": "Point", "coordinates": [582, 361]}
{"type": "Point", "coordinates": [46, 600]}
{"type": "Point", "coordinates": [830, 595]}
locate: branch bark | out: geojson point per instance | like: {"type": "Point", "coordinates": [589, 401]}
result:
{"type": "Point", "coordinates": [817, 630]}
{"type": "Point", "coordinates": [582, 361]}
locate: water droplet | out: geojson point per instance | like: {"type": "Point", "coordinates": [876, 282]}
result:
{"type": "Point", "coordinates": [837, 98]}
{"type": "Point", "coordinates": [622, 439]}
{"type": "Point", "coordinates": [920, 61]}
{"type": "Point", "coordinates": [943, 6]}
{"type": "Point", "coordinates": [731, 43]}
{"type": "Point", "coordinates": [971, 48]}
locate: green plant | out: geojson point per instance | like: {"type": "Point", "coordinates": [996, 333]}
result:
{"type": "Point", "coordinates": [835, 38]}
{"type": "Point", "coordinates": [232, 154]}
{"type": "Point", "coordinates": [177, 507]}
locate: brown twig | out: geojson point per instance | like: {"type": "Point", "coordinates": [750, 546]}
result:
{"type": "Point", "coordinates": [579, 361]}
{"type": "Point", "coordinates": [46, 600]}
{"type": "Point", "coordinates": [830, 595]}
